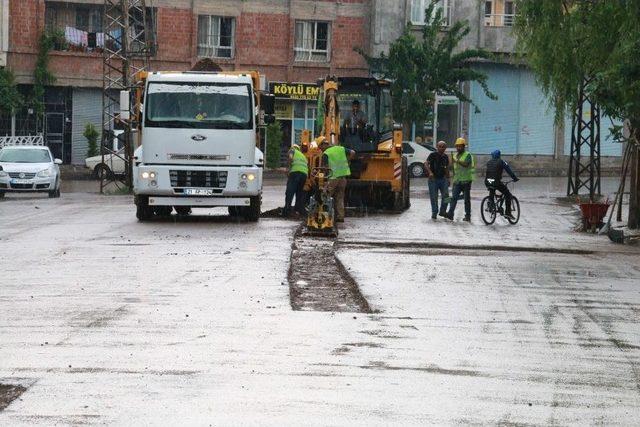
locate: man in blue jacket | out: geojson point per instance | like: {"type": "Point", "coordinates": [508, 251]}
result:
{"type": "Point", "coordinates": [493, 179]}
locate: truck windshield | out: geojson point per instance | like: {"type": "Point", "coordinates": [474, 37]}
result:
{"type": "Point", "coordinates": [199, 105]}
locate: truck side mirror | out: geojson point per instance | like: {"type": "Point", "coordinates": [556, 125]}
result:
{"type": "Point", "coordinates": [125, 106]}
{"type": "Point", "coordinates": [267, 103]}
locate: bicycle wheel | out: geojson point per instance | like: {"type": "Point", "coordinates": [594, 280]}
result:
{"type": "Point", "coordinates": [515, 211]}
{"type": "Point", "coordinates": [488, 210]}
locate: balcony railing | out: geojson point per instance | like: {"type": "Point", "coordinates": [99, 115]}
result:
{"type": "Point", "coordinates": [499, 19]}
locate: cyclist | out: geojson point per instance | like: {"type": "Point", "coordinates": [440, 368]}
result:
{"type": "Point", "coordinates": [493, 179]}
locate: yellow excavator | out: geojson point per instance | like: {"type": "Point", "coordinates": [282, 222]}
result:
{"type": "Point", "coordinates": [379, 174]}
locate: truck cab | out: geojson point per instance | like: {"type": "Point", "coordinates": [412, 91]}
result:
{"type": "Point", "coordinates": [198, 136]}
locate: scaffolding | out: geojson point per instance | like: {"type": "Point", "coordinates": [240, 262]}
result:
{"type": "Point", "coordinates": [584, 159]}
{"type": "Point", "coordinates": [129, 42]}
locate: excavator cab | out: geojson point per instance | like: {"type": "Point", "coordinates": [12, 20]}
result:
{"type": "Point", "coordinates": [379, 174]}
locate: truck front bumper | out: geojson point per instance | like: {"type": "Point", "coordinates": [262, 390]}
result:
{"type": "Point", "coordinates": [202, 202]}
{"type": "Point", "coordinates": [222, 184]}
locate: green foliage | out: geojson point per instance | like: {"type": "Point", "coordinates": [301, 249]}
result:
{"type": "Point", "coordinates": [49, 40]}
{"type": "Point", "coordinates": [10, 98]}
{"type": "Point", "coordinates": [274, 141]}
{"type": "Point", "coordinates": [567, 41]}
{"type": "Point", "coordinates": [91, 133]}
{"type": "Point", "coordinates": [420, 69]}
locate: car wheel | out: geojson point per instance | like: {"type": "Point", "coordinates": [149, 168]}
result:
{"type": "Point", "coordinates": [54, 194]}
{"type": "Point", "coordinates": [416, 170]}
{"type": "Point", "coordinates": [102, 171]}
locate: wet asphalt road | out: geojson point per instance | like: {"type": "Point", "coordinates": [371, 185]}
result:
{"type": "Point", "coordinates": [105, 320]}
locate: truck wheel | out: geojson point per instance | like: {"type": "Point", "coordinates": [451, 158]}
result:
{"type": "Point", "coordinates": [235, 211]}
{"type": "Point", "coordinates": [183, 210]}
{"type": "Point", "coordinates": [163, 211]}
{"type": "Point", "coordinates": [252, 212]}
{"type": "Point", "coordinates": [143, 211]}
{"type": "Point", "coordinates": [1, 194]}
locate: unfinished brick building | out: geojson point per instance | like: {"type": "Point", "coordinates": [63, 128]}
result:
{"type": "Point", "coordinates": [286, 40]}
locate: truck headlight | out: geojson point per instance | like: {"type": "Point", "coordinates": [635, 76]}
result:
{"type": "Point", "coordinates": [251, 177]}
{"type": "Point", "coordinates": [45, 173]}
{"type": "Point", "coordinates": [148, 175]}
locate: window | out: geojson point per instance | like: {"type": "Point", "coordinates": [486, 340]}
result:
{"type": "Point", "coordinates": [312, 41]}
{"type": "Point", "coordinates": [406, 148]}
{"type": "Point", "coordinates": [499, 13]}
{"type": "Point", "coordinates": [89, 18]}
{"type": "Point", "coordinates": [386, 111]}
{"type": "Point", "coordinates": [509, 13]}
{"type": "Point", "coordinates": [418, 8]}
{"type": "Point", "coordinates": [215, 36]}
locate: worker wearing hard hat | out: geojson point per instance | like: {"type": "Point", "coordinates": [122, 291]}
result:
{"type": "Point", "coordinates": [463, 165]}
{"type": "Point", "coordinates": [337, 158]}
{"type": "Point", "coordinates": [298, 171]}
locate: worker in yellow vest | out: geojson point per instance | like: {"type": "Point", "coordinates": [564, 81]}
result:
{"type": "Point", "coordinates": [298, 171]}
{"type": "Point", "coordinates": [337, 158]}
{"type": "Point", "coordinates": [464, 171]}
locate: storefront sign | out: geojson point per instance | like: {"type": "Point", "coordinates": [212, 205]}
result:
{"type": "Point", "coordinates": [298, 91]}
{"type": "Point", "coordinates": [283, 110]}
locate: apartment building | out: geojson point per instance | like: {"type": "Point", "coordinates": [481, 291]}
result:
{"type": "Point", "coordinates": [289, 41]}
{"type": "Point", "coordinates": [520, 122]}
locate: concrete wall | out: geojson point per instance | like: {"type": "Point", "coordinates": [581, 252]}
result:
{"type": "Point", "coordinates": [4, 31]}
{"type": "Point", "coordinates": [391, 16]}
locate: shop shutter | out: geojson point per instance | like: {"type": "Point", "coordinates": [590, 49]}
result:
{"type": "Point", "coordinates": [87, 108]}
{"type": "Point", "coordinates": [496, 125]}
{"type": "Point", "coordinates": [536, 118]}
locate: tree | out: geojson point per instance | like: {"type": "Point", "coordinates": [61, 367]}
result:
{"type": "Point", "coordinates": [420, 69]}
{"type": "Point", "coordinates": [91, 133]}
{"type": "Point", "coordinates": [274, 141]}
{"type": "Point", "coordinates": [10, 98]}
{"type": "Point", "coordinates": [566, 41]}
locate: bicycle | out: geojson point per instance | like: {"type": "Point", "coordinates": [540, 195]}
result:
{"type": "Point", "coordinates": [492, 206]}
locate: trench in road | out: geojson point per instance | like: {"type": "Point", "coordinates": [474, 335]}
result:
{"type": "Point", "coordinates": [317, 279]}
{"type": "Point", "coordinates": [9, 393]}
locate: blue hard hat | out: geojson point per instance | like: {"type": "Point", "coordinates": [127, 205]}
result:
{"type": "Point", "coordinates": [495, 154]}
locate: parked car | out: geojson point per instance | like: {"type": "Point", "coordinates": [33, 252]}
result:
{"type": "Point", "coordinates": [416, 155]}
{"type": "Point", "coordinates": [29, 168]}
{"type": "Point", "coordinates": [113, 164]}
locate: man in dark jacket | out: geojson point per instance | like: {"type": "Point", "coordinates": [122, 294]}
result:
{"type": "Point", "coordinates": [493, 179]}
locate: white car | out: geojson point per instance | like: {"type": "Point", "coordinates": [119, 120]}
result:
{"type": "Point", "coordinates": [29, 168]}
{"type": "Point", "coordinates": [113, 164]}
{"type": "Point", "coordinates": [416, 156]}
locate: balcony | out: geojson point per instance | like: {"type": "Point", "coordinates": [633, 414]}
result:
{"type": "Point", "coordinates": [497, 33]}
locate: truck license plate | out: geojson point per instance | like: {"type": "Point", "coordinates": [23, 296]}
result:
{"type": "Point", "coordinates": [198, 192]}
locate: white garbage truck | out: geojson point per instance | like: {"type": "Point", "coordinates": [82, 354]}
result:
{"type": "Point", "coordinates": [198, 137]}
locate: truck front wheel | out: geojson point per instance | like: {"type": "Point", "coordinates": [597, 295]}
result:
{"type": "Point", "coordinates": [252, 212]}
{"type": "Point", "coordinates": [143, 211]}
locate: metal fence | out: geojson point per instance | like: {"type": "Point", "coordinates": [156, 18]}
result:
{"type": "Point", "coordinates": [6, 141]}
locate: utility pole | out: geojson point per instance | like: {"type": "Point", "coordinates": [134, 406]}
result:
{"type": "Point", "coordinates": [128, 44]}
{"type": "Point", "coordinates": [584, 160]}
